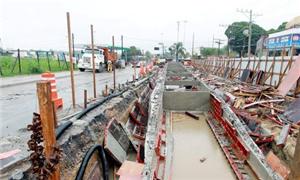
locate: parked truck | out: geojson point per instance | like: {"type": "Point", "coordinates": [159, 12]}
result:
{"type": "Point", "coordinates": [103, 59]}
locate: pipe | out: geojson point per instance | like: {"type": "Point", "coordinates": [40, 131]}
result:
{"type": "Point", "coordinates": [87, 157]}
{"type": "Point", "coordinates": [93, 106]}
{"type": "Point", "coordinates": [61, 129]}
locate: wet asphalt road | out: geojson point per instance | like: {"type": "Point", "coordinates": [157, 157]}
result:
{"type": "Point", "coordinates": [17, 103]}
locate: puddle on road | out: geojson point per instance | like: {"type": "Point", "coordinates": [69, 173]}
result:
{"type": "Point", "coordinates": [197, 154]}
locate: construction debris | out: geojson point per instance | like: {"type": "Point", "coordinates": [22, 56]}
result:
{"type": "Point", "coordinates": [270, 116]}
{"type": "Point", "coordinates": [192, 115]}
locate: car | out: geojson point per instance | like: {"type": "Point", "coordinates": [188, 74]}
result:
{"type": "Point", "coordinates": [120, 64]}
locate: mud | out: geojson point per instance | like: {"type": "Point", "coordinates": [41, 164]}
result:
{"type": "Point", "coordinates": [196, 152]}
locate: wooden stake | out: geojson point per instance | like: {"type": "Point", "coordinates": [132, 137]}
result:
{"type": "Point", "coordinates": [281, 64]}
{"type": "Point", "coordinates": [85, 99]}
{"type": "Point", "coordinates": [106, 89]}
{"type": "Point", "coordinates": [273, 64]}
{"type": "Point", "coordinates": [71, 58]}
{"type": "Point", "coordinates": [93, 61]}
{"type": "Point", "coordinates": [47, 119]}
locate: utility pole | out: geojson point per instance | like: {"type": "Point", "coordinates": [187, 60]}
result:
{"type": "Point", "coordinates": [122, 47]}
{"type": "Point", "coordinates": [114, 61]}
{"type": "Point", "coordinates": [193, 44]}
{"type": "Point", "coordinates": [162, 44]}
{"type": "Point", "coordinates": [219, 42]}
{"type": "Point", "coordinates": [71, 59]}
{"type": "Point", "coordinates": [185, 21]}
{"type": "Point", "coordinates": [249, 27]}
{"type": "Point", "coordinates": [176, 50]}
{"type": "Point", "coordinates": [73, 45]}
{"type": "Point", "coordinates": [213, 42]}
{"type": "Point", "coordinates": [93, 61]}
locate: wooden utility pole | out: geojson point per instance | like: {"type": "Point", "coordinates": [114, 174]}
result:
{"type": "Point", "coordinates": [93, 61]}
{"type": "Point", "coordinates": [114, 61]}
{"type": "Point", "coordinates": [71, 59]}
{"type": "Point", "coordinates": [46, 109]}
{"type": "Point", "coordinates": [219, 42]}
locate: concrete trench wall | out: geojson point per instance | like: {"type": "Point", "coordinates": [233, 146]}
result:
{"type": "Point", "coordinates": [186, 101]}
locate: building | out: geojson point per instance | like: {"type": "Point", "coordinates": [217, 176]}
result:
{"type": "Point", "coordinates": [286, 39]}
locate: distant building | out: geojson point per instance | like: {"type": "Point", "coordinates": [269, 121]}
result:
{"type": "Point", "coordinates": [286, 39]}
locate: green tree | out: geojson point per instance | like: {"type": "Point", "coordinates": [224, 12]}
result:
{"type": "Point", "coordinates": [180, 52]}
{"type": "Point", "coordinates": [281, 27]}
{"type": "Point", "coordinates": [208, 51]}
{"type": "Point", "coordinates": [133, 52]}
{"type": "Point", "coordinates": [238, 41]}
{"type": "Point", "coordinates": [148, 55]}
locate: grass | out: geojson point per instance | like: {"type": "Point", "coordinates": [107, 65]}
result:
{"type": "Point", "coordinates": [30, 66]}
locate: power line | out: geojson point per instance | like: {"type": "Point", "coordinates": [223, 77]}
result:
{"type": "Point", "coordinates": [219, 42]}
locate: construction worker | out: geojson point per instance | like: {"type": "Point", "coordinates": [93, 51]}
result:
{"type": "Point", "coordinates": [109, 66]}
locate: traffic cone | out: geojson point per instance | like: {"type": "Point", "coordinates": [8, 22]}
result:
{"type": "Point", "coordinates": [142, 70]}
{"type": "Point", "coordinates": [48, 76]}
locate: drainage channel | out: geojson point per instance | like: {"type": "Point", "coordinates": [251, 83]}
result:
{"type": "Point", "coordinates": [196, 152]}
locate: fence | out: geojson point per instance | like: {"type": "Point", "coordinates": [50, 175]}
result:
{"type": "Point", "coordinates": [274, 68]}
{"type": "Point", "coordinates": [35, 62]}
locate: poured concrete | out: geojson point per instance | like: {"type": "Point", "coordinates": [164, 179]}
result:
{"type": "Point", "coordinates": [196, 152]}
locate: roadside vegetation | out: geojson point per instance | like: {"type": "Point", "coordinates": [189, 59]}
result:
{"type": "Point", "coordinates": [10, 66]}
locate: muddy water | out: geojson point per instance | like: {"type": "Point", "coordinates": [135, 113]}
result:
{"type": "Point", "coordinates": [193, 143]}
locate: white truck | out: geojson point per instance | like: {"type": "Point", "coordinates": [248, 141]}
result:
{"type": "Point", "coordinates": [86, 62]}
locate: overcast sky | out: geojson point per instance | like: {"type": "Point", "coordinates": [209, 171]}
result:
{"type": "Point", "coordinates": [41, 24]}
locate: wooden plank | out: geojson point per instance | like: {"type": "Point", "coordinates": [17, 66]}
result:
{"type": "Point", "coordinates": [47, 119]}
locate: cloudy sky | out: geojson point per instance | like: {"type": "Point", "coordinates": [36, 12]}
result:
{"type": "Point", "coordinates": [41, 24]}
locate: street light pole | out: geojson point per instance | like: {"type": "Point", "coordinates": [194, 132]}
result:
{"type": "Point", "coordinates": [193, 44]}
{"type": "Point", "coordinates": [185, 21]}
{"type": "Point", "coordinates": [176, 50]}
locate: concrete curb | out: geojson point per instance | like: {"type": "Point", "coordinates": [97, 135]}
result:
{"type": "Point", "coordinates": [32, 80]}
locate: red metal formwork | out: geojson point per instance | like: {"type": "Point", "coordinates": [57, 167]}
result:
{"type": "Point", "coordinates": [217, 113]}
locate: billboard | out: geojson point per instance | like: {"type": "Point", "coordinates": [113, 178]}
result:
{"type": "Point", "coordinates": [283, 41]}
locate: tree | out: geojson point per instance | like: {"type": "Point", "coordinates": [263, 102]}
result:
{"type": "Point", "coordinates": [148, 55]}
{"type": "Point", "coordinates": [133, 52]}
{"type": "Point", "coordinates": [281, 27]}
{"type": "Point", "coordinates": [238, 41]}
{"type": "Point", "coordinates": [180, 52]}
{"type": "Point", "coordinates": [208, 51]}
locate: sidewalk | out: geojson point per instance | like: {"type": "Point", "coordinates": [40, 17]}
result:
{"type": "Point", "coordinates": [24, 79]}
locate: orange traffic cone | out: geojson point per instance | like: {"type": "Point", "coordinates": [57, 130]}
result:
{"type": "Point", "coordinates": [142, 70]}
{"type": "Point", "coordinates": [58, 102]}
